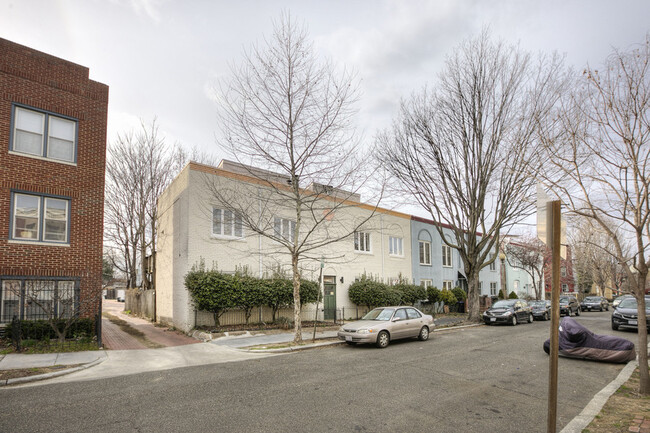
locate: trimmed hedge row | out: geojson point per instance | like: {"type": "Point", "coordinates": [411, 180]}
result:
{"type": "Point", "coordinates": [41, 329]}
{"type": "Point", "coordinates": [370, 293]}
{"type": "Point", "coordinates": [218, 292]}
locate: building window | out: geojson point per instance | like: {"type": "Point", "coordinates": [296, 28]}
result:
{"type": "Point", "coordinates": [395, 247]}
{"type": "Point", "coordinates": [39, 218]}
{"type": "Point", "coordinates": [426, 283]}
{"type": "Point", "coordinates": [34, 299]}
{"type": "Point", "coordinates": [425, 253]}
{"type": "Point", "coordinates": [226, 223]}
{"type": "Point", "coordinates": [285, 229]}
{"type": "Point", "coordinates": [480, 286]}
{"type": "Point", "coordinates": [447, 284]}
{"type": "Point", "coordinates": [43, 134]}
{"type": "Point", "coordinates": [362, 241]}
{"type": "Point", "coordinates": [563, 271]}
{"type": "Point", "coordinates": [565, 288]}
{"type": "Point", "coordinates": [493, 265]}
{"type": "Point", "coordinates": [493, 288]}
{"type": "Point", "coordinates": [446, 256]}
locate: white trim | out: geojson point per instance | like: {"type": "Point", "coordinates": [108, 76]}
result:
{"type": "Point", "coordinates": [29, 155]}
{"type": "Point", "coordinates": [49, 244]}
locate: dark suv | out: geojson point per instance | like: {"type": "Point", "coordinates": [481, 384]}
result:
{"type": "Point", "coordinates": [568, 305]}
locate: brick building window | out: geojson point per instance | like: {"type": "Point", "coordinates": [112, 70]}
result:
{"type": "Point", "coordinates": [39, 218]}
{"type": "Point", "coordinates": [43, 134]}
{"type": "Point", "coordinates": [226, 223]}
{"type": "Point", "coordinates": [36, 299]}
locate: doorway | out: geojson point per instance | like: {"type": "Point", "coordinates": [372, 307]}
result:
{"type": "Point", "coordinates": [329, 298]}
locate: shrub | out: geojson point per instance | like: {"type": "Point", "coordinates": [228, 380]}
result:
{"type": "Point", "coordinates": [513, 295]}
{"type": "Point", "coordinates": [410, 293]}
{"type": "Point", "coordinates": [433, 294]}
{"type": "Point", "coordinates": [366, 292]}
{"type": "Point", "coordinates": [501, 294]}
{"type": "Point", "coordinates": [309, 292]}
{"type": "Point", "coordinates": [448, 297]}
{"type": "Point", "coordinates": [390, 296]}
{"type": "Point", "coordinates": [42, 330]}
{"type": "Point", "coordinates": [459, 294]}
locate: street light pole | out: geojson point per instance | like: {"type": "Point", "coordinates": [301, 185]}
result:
{"type": "Point", "coordinates": [553, 224]}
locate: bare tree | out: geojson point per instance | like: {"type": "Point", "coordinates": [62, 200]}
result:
{"type": "Point", "coordinates": [528, 254]}
{"type": "Point", "coordinates": [290, 115]}
{"type": "Point", "coordinates": [600, 154]}
{"type": "Point", "coordinates": [139, 167]}
{"type": "Point", "coordinates": [464, 149]}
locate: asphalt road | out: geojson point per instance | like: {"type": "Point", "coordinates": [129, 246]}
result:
{"type": "Point", "coordinates": [487, 379]}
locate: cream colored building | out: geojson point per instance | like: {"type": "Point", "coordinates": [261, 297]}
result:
{"type": "Point", "coordinates": [195, 226]}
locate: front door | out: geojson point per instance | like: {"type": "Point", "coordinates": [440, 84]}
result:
{"type": "Point", "coordinates": [329, 299]}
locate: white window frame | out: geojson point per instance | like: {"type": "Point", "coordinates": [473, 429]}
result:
{"type": "Point", "coordinates": [426, 283]}
{"type": "Point", "coordinates": [41, 233]}
{"type": "Point", "coordinates": [235, 221]}
{"type": "Point", "coordinates": [284, 228]}
{"type": "Point", "coordinates": [362, 242]}
{"type": "Point", "coordinates": [447, 260]}
{"type": "Point", "coordinates": [493, 288]}
{"type": "Point", "coordinates": [424, 247]}
{"type": "Point", "coordinates": [396, 246]}
{"type": "Point", "coordinates": [493, 265]}
{"type": "Point", "coordinates": [45, 132]}
{"type": "Point", "coordinates": [447, 284]}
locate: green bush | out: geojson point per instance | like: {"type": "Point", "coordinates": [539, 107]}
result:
{"type": "Point", "coordinates": [309, 292]}
{"type": "Point", "coordinates": [448, 297]}
{"type": "Point", "coordinates": [459, 294]}
{"type": "Point", "coordinates": [513, 295]}
{"type": "Point", "coordinates": [370, 293]}
{"type": "Point", "coordinates": [411, 293]}
{"type": "Point", "coordinates": [501, 294]}
{"type": "Point", "coordinates": [433, 294]}
{"type": "Point", "coordinates": [391, 296]}
{"type": "Point", "coordinates": [42, 330]}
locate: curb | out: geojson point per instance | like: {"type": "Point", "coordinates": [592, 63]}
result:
{"type": "Point", "coordinates": [291, 349]}
{"type": "Point", "coordinates": [19, 380]}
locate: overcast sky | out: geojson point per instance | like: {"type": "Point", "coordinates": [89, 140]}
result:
{"type": "Point", "coordinates": [162, 58]}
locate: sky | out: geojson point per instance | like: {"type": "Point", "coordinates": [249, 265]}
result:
{"type": "Point", "coordinates": [163, 58]}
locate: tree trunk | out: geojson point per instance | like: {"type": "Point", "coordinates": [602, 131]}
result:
{"type": "Point", "coordinates": [644, 374]}
{"type": "Point", "coordinates": [296, 300]}
{"type": "Point", "coordinates": [473, 294]}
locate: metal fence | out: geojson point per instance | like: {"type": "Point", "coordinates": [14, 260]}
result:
{"type": "Point", "coordinates": [38, 299]}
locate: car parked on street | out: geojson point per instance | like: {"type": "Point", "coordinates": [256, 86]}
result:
{"type": "Point", "coordinates": [382, 325]}
{"type": "Point", "coordinates": [509, 311]}
{"type": "Point", "coordinates": [619, 299]}
{"type": "Point", "coordinates": [593, 303]}
{"type": "Point", "coordinates": [626, 314]}
{"type": "Point", "coordinates": [541, 309]}
{"type": "Point", "coordinates": [568, 305]}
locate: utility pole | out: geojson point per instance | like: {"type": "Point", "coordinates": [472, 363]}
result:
{"type": "Point", "coordinates": [554, 236]}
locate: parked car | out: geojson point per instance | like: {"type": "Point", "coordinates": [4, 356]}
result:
{"type": "Point", "coordinates": [511, 311]}
{"type": "Point", "coordinates": [568, 305]}
{"type": "Point", "coordinates": [619, 299]}
{"type": "Point", "coordinates": [593, 303]}
{"type": "Point", "coordinates": [120, 299]}
{"type": "Point", "coordinates": [626, 314]}
{"type": "Point", "coordinates": [541, 309]}
{"type": "Point", "coordinates": [382, 325]}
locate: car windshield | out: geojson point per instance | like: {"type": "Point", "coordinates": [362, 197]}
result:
{"type": "Point", "coordinates": [631, 303]}
{"type": "Point", "coordinates": [537, 304]}
{"type": "Point", "coordinates": [592, 299]}
{"type": "Point", "coordinates": [503, 304]}
{"type": "Point", "coordinates": [379, 314]}
{"type": "Point", "coordinates": [564, 299]}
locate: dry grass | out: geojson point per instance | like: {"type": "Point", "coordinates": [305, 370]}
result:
{"type": "Point", "coordinates": [25, 372]}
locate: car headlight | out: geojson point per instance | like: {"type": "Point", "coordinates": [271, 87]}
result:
{"type": "Point", "coordinates": [364, 331]}
{"type": "Point", "coordinates": [617, 315]}
{"type": "Point", "coordinates": [507, 313]}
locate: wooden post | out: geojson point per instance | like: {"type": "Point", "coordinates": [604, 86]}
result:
{"type": "Point", "coordinates": [553, 224]}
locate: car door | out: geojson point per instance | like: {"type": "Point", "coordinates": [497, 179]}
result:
{"type": "Point", "coordinates": [399, 324]}
{"type": "Point", "coordinates": [414, 322]}
{"type": "Point", "coordinates": [520, 311]}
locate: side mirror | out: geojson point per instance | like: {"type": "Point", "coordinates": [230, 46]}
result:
{"type": "Point", "coordinates": [396, 319]}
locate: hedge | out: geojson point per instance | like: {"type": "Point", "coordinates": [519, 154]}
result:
{"type": "Point", "coordinates": [41, 329]}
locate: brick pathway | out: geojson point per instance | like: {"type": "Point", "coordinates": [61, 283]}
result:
{"type": "Point", "coordinates": [640, 425]}
{"type": "Point", "coordinates": [116, 339]}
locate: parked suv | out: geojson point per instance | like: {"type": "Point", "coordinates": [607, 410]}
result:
{"type": "Point", "coordinates": [568, 305]}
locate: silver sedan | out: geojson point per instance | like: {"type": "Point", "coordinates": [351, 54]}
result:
{"type": "Point", "coordinates": [384, 324]}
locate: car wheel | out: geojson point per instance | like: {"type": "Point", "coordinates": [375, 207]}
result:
{"type": "Point", "coordinates": [513, 322]}
{"type": "Point", "coordinates": [577, 311]}
{"type": "Point", "coordinates": [351, 343]}
{"type": "Point", "coordinates": [546, 316]}
{"type": "Point", "coordinates": [424, 334]}
{"type": "Point", "coordinates": [614, 327]}
{"type": "Point", "coordinates": [383, 339]}
{"type": "Point", "coordinates": [607, 308]}
{"type": "Point", "coordinates": [530, 318]}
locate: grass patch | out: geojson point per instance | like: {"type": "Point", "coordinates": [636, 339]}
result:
{"type": "Point", "coordinates": [136, 333]}
{"type": "Point", "coordinates": [26, 372]}
{"type": "Point", "coordinates": [621, 408]}
{"type": "Point", "coordinates": [29, 347]}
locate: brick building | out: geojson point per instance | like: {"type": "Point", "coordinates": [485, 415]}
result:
{"type": "Point", "coordinates": [567, 278]}
{"type": "Point", "coordinates": [52, 163]}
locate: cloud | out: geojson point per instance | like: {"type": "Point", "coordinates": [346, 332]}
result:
{"type": "Point", "coordinates": [147, 8]}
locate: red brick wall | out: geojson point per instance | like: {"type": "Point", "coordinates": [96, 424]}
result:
{"type": "Point", "coordinates": [45, 82]}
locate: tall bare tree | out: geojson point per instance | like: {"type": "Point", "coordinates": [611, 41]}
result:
{"type": "Point", "coordinates": [139, 167]}
{"type": "Point", "coordinates": [600, 155]}
{"type": "Point", "coordinates": [464, 148]}
{"type": "Point", "coordinates": [528, 254]}
{"type": "Point", "coordinates": [290, 115]}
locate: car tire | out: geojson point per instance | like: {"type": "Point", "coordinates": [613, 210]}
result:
{"type": "Point", "coordinates": [383, 340]}
{"type": "Point", "coordinates": [546, 317]}
{"type": "Point", "coordinates": [614, 327]}
{"type": "Point", "coordinates": [424, 334]}
{"type": "Point", "coordinates": [578, 311]}
{"type": "Point", "coordinates": [350, 343]}
{"type": "Point", "coordinates": [530, 318]}
{"type": "Point", "coordinates": [513, 322]}
{"type": "Point", "coordinates": [607, 308]}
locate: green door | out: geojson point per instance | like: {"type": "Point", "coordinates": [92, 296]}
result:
{"type": "Point", "coordinates": [329, 299]}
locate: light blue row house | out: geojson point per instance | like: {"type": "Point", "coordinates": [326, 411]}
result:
{"type": "Point", "coordinates": [436, 264]}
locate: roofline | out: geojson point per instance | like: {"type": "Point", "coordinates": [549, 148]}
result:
{"type": "Point", "coordinates": [432, 222]}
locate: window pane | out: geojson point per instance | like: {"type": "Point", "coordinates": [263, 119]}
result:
{"type": "Point", "coordinates": [26, 214]}
{"type": "Point", "coordinates": [65, 298]}
{"type": "Point", "coordinates": [28, 133]}
{"type": "Point", "coordinates": [39, 302]}
{"type": "Point", "coordinates": [30, 121]}
{"type": "Point", "coordinates": [356, 241]}
{"type": "Point", "coordinates": [60, 149]}
{"type": "Point", "coordinates": [285, 229]}
{"type": "Point", "coordinates": [56, 220]}
{"type": "Point", "coordinates": [10, 300]}
{"type": "Point", "coordinates": [238, 226]}
{"type": "Point", "coordinates": [227, 223]}
{"type": "Point", "coordinates": [216, 221]}
{"type": "Point", "coordinates": [278, 227]}
{"type": "Point", "coordinates": [28, 142]}
{"type": "Point", "coordinates": [61, 128]}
